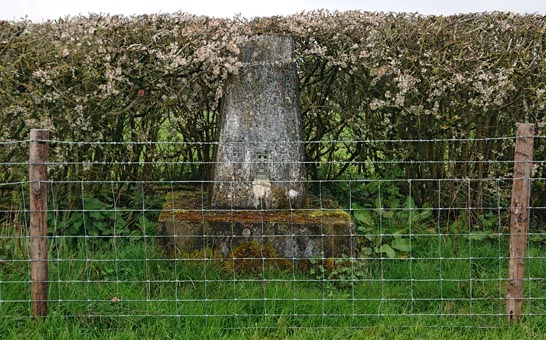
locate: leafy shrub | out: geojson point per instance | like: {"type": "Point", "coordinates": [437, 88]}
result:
{"type": "Point", "coordinates": [342, 272]}
{"type": "Point", "coordinates": [100, 217]}
{"type": "Point", "coordinates": [385, 224]}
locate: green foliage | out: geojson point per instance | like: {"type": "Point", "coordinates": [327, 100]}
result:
{"type": "Point", "coordinates": [95, 218]}
{"type": "Point", "coordinates": [102, 217]}
{"type": "Point", "coordinates": [12, 226]}
{"type": "Point", "coordinates": [340, 273]}
{"type": "Point", "coordinates": [475, 226]}
{"type": "Point", "coordinates": [386, 222]}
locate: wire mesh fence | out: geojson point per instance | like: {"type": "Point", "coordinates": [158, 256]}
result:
{"type": "Point", "coordinates": [371, 245]}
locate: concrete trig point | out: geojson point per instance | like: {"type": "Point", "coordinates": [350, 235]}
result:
{"type": "Point", "coordinates": [258, 193]}
{"type": "Point", "coordinates": [260, 158]}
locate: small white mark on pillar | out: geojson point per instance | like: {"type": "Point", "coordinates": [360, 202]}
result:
{"type": "Point", "coordinates": [262, 192]}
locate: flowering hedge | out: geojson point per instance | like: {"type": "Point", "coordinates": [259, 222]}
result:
{"type": "Point", "coordinates": [363, 76]}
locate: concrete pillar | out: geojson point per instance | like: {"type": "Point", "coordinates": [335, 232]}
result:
{"type": "Point", "coordinates": [259, 158]}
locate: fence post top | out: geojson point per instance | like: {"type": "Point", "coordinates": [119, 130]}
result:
{"type": "Point", "coordinates": [525, 125]}
{"type": "Point", "coordinates": [39, 134]}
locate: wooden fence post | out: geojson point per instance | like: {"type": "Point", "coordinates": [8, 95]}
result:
{"type": "Point", "coordinates": [519, 219]}
{"type": "Point", "coordinates": [38, 220]}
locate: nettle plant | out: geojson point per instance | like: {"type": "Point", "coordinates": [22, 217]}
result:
{"type": "Point", "coordinates": [386, 221]}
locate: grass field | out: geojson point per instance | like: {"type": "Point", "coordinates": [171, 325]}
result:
{"type": "Point", "coordinates": [450, 288]}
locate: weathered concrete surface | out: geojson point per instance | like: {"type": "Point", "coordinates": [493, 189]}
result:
{"type": "Point", "coordinates": [186, 226]}
{"type": "Point", "coordinates": [259, 159]}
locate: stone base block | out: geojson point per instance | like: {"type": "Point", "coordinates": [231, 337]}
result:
{"type": "Point", "coordinates": [186, 225]}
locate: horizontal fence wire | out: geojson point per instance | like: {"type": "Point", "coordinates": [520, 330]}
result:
{"type": "Point", "coordinates": [406, 240]}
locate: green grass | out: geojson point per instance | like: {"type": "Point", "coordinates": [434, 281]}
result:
{"type": "Point", "coordinates": [450, 288]}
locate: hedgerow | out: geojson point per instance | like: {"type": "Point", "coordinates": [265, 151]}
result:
{"type": "Point", "coordinates": [364, 76]}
